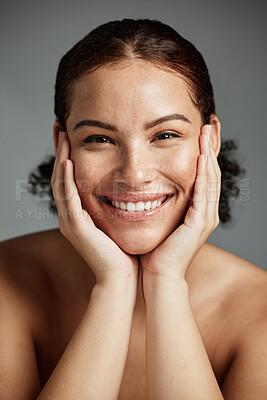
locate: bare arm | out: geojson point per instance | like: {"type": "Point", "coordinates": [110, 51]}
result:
{"type": "Point", "coordinates": [177, 363]}
{"type": "Point", "coordinates": [93, 363]}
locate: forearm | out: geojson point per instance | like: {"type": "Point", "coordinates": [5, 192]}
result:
{"type": "Point", "coordinates": [177, 363]}
{"type": "Point", "coordinates": [92, 365]}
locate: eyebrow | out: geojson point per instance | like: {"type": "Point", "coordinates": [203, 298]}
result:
{"type": "Point", "coordinates": [103, 125]}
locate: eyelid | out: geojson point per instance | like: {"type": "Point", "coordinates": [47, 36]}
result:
{"type": "Point", "coordinates": [174, 134]}
{"type": "Point", "coordinates": [89, 138]}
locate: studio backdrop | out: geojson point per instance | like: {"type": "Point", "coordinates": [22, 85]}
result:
{"type": "Point", "coordinates": [231, 35]}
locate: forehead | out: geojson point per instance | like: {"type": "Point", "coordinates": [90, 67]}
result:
{"type": "Point", "coordinates": [135, 88]}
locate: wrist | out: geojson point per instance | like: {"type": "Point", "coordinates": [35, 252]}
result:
{"type": "Point", "coordinates": [111, 278]}
{"type": "Point", "coordinates": [118, 287]}
{"type": "Point", "coordinates": [154, 282]}
{"type": "Point", "coordinates": [170, 275]}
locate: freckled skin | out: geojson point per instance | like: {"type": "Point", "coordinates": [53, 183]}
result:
{"type": "Point", "coordinates": [129, 97]}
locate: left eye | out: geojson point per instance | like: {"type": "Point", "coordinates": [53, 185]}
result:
{"type": "Point", "coordinates": [166, 135]}
{"type": "Point", "coordinates": [96, 139]}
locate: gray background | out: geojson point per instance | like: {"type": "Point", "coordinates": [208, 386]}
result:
{"type": "Point", "coordinates": [230, 35]}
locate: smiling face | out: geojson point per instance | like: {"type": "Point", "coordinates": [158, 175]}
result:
{"type": "Point", "coordinates": [135, 156]}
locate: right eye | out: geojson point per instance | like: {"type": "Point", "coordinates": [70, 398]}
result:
{"type": "Point", "coordinates": [97, 139]}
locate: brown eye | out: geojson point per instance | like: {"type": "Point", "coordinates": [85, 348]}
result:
{"type": "Point", "coordinates": [97, 139]}
{"type": "Point", "coordinates": [166, 135]}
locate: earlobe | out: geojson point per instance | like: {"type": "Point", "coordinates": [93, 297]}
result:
{"type": "Point", "coordinates": [215, 134]}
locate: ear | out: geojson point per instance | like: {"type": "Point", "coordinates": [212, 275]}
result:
{"type": "Point", "coordinates": [215, 133]}
{"type": "Point", "coordinates": [56, 129]}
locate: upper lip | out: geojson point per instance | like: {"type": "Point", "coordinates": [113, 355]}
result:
{"type": "Point", "coordinates": [135, 197]}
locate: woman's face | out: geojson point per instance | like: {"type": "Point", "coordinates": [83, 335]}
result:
{"type": "Point", "coordinates": [134, 150]}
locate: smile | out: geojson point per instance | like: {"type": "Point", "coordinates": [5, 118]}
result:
{"type": "Point", "coordinates": [139, 206]}
{"type": "Point", "coordinates": [136, 211]}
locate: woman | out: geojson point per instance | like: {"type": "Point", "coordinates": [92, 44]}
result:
{"type": "Point", "coordinates": [126, 300]}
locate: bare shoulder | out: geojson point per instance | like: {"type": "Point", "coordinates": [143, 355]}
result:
{"type": "Point", "coordinates": [39, 248]}
{"type": "Point", "coordinates": [235, 271]}
{"type": "Point", "coordinates": [25, 264]}
{"type": "Point", "coordinates": [23, 271]}
{"type": "Point", "coordinates": [241, 284]}
{"type": "Point", "coordinates": [41, 267]}
{"type": "Point", "coordinates": [24, 259]}
{"type": "Point", "coordinates": [242, 288]}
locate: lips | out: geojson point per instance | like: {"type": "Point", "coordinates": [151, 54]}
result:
{"type": "Point", "coordinates": [135, 215]}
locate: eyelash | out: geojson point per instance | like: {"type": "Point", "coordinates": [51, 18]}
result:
{"type": "Point", "coordinates": [90, 139]}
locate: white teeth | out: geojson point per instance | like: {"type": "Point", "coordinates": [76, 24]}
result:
{"type": "Point", "coordinates": [154, 204]}
{"type": "Point", "coordinates": [123, 206]}
{"type": "Point", "coordinates": [139, 206]}
{"type": "Point", "coordinates": [148, 205]}
{"type": "Point", "coordinates": [130, 206]}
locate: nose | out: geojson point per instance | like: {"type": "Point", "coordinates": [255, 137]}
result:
{"type": "Point", "coordinates": [136, 168]}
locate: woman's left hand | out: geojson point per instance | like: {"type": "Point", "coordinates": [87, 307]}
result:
{"type": "Point", "coordinates": [173, 256]}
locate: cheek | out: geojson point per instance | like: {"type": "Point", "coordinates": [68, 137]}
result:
{"type": "Point", "coordinates": [183, 170]}
{"type": "Point", "coordinates": [88, 174]}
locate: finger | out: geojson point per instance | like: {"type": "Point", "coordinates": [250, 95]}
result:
{"type": "Point", "coordinates": [206, 146]}
{"type": "Point", "coordinates": [57, 152]}
{"type": "Point", "coordinates": [197, 212]}
{"type": "Point", "coordinates": [217, 188]}
{"type": "Point", "coordinates": [58, 173]}
{"type": "Point", "coordinates": [57, 179]}
{"type": "Point", "coordinates": [214, 157]}
{"type": "Point", "coordinates": [62, 151]}
{"type": "Point", "coordinates": [213, 193]}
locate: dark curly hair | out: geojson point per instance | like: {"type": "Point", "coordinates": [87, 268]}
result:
{"type": "Point", "coordinates": [155, 43]}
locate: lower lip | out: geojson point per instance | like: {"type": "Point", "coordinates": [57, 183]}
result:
{"type": "Point", "coordinates": [135, 215]}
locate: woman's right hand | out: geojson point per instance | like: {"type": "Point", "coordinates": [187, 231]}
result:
{"type": "Point", "coordinates": [109, 263]}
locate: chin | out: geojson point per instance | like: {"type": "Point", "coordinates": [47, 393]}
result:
{"type": "Point", "coordinates": [137, 249]}
{"type": "Point", "coordinates": [133, 245]}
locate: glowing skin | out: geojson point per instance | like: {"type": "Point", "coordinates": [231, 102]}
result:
{"type": "Point", "coordinates": [134, 160]}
